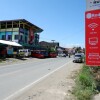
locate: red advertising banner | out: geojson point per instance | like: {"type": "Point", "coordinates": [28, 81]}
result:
{"type": "Point", "coordinates": [92, 26]}
{"type": "Point", "coordinates": [31, 36]}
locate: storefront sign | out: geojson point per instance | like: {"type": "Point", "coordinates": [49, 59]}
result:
{"type": "Point", "coordinates": [92, 5]}
{"type": "Point", "coordinates": [92, 19]}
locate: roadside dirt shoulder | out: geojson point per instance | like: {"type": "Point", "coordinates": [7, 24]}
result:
{"type": "Point", "coordinates": [57, 86]}
{"type": "Point", "coordinates": [10, 61]}
{"type": "Point", "coordinates": [97, 97]}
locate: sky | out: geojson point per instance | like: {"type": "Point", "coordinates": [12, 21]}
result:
{"type": "Point", "coordinates": [61, 20]}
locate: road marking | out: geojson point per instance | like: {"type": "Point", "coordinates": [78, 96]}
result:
{"type": "Point", "coordinates": [17, 93]}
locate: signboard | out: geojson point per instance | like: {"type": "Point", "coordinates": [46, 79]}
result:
{"type": "Point", "coordinates": [92, 5]}
{"type": "Point", "coordinates": [92, 19]}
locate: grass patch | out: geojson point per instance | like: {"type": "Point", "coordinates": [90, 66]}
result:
{"type": "Point", "coordinates": [2, 59]}
{"type": "Point", "coordinates": [85, 84]}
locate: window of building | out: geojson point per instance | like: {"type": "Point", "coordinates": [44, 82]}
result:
{"type": "Point", "coordinates": [26, 33]}
{"type": "Point", "coordinates": [36, 42]}
{"type": "Point", "coordinates": [25, 39]}
{"type": "Point", "coordinates": [9, 37]}
{"type": "Point", "coordinates": [21, 37]}
{"type": "Point", "coordinates": [3, 37]}
{"type": "Point", "coordinates": [16, 37]}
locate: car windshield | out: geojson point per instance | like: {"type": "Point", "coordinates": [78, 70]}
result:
{"type": "Point", "coordinates": [77, 55]}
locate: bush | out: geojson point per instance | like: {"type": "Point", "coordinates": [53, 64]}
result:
{"type": "Point", "coordinates": [85, 78]}
{"type": "Point", "coordinates": [85, 84]}
{"type": "Point", "coordinates": [84, 94]}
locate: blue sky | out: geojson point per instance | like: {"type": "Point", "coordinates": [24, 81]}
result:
{"type": "Point", "coordinates": [61, 20]}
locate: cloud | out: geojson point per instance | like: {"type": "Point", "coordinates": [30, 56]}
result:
{"type": "Point", "coordinates": [72, 45]}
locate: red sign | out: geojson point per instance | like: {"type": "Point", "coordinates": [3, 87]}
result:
{"type": "Point", "coordinates": [92, 26]}
{"type": "Point", "coordinates": [31, 36]}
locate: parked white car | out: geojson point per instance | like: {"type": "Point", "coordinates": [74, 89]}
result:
{"type": "Point", "coordinates": [62, 55]}
{"type": "Point", "coordinates": [25, 52]}
{"type": "Point", "coordinates": [78, 57]}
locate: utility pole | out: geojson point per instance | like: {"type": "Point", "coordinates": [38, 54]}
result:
{"type": "Point", "coordinates": [53, 42]}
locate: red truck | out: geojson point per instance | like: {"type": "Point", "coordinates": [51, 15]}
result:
{"type": "Point", "coordinates": [39, 53]}
{"type": "Point", "coordinates": [52, 54]}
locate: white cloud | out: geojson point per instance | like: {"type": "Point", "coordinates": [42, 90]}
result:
{"type": "Point", "coordinates": [72, 45]}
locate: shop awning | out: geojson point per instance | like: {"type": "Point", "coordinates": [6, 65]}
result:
{"type": "Point", "coordinates": [10, 43]}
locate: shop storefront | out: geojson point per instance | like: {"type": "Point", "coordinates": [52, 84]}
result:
{"type": "Point", "coordinates": [20, 31]}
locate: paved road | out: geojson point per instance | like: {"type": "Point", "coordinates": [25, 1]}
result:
{"type": "Point", "coordinates": [14, 78]}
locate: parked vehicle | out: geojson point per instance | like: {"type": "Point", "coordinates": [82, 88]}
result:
{"type": "Point", "coordinates": [27, 52]}
{"type": "Point", "coordinates": [37, 53]}
{"type": "Point", "coordinates": [69, 55]}
{"type": "Point", "coordinates": [52, 54]}
{"type": "Point", "coordinates": [21, 53]}
{"type": "Point", "coordinates": [62, 55]}
{"type": "Point", "coordinates": [24, 52]}
{"type": "Point", "coordinates": [78, 57]}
